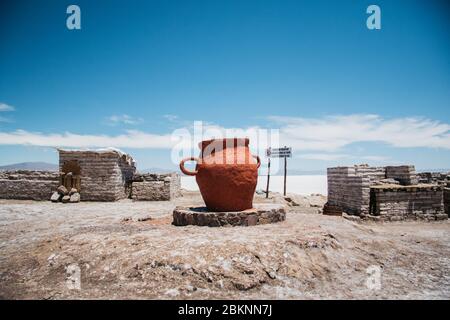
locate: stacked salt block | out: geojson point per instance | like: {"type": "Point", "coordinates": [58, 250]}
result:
{"type": "Point", "coordinates": [441, 178]}
{"type": "Point", "coordinates": [405, 175]}
{"type": "Point", "coordinates": [447, 201]}
{"type": "Point", "coordinates": [155, 187]}
{"type": "Point", "coordinates": [375, 174]}
{"type": "Point", "coordinates": [395, 203]}
{"type": "Point", "coordinates": [27, 184]}
{"type": "Point", "coordinates": [105, 175]}
{"type": "Point", "coordinates": [348, 190]}
{"type": "Point", "coordinates": [389, 192]}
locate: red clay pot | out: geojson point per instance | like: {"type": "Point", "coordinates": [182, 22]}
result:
{"type": "Point", "coordinates": [226, 174]}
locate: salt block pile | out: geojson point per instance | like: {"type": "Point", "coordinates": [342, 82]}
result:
{"type": "Point", "coordinates": [65, 196]}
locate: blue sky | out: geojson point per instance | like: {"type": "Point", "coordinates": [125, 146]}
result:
{"type": "Point", "coordinates": [339, 92]}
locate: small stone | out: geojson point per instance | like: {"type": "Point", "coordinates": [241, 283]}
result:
{"type": "Point", "coordinates": [72, 191]}
{"type": "Point", "coordinates": [62, 190]}
{"type": "Point", "coordinates": [252, 220]}
{"type": "Point", "coordinates": [351, 217]}
{"type": "Point", "coordinates": [65, 199]}
{"type": "Point", "coordinates": [142, 217]}
{"type": "Point", "coordinates": [74, 198]}
{"type": "Point", "coordinates": [172, 292]}
{"type": "Point", "coordinates": [51, 257]}
{"type": "Point", "coordinates": [190, 288]}
{"type": "Point", "coordinates": [373, 218]}
{"type": "Point", "coordinates": [55, 197]}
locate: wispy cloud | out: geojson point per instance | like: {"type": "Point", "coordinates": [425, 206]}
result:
{"type": "Point", "coordinates": [131, 139]}
{"type": "Point", "coordinates": [339, 156]}
{"type": "Point", "coordinates": [335, 132]}
{"type": "Point", "coordinates": [4, 119]}
{"type": "Point", "coordinates": [322, 156]}
{"type": "Point", "coordinates": [313, 138]}
{"type": "Point", "coordinates": [171, 117]}
{"type": "Point", "coordinates": [123, 119]}
{"type": "Point", "coordinates": [5, 107]}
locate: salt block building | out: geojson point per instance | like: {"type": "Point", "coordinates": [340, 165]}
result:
{"type": "Point", "coordinates": [98, 175]}
{"type": "Point", "coordinates": [387, 193]}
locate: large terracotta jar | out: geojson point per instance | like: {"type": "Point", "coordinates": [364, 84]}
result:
{"type": "Point", "coordinates": [226, 174]}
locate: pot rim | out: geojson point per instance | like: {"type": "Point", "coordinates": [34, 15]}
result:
{"type": "Point", "coordinates": [204, 143]}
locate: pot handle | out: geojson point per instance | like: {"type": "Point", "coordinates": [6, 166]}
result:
{"type": "Point", "coordinates": [258, 161]}
{"type": "Point", "coordinates": [184, 170]}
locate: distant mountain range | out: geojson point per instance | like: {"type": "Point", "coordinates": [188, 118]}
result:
{"type": "Point", "coordinates": [45, 166]}
{"type": "Point", "coordinates": [41, 166]}
{"type": "Point", "coordinates": [158, 170]}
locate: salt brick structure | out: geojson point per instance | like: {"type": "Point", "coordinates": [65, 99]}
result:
{"type": "Point", "coordinates": [28, 185]}
{"type": "Point", "coordinates": [98, 175]}
{"type": "Point", "coordinates": [106, 175]}
{"type": "Point", "coordinates": [447, 200]}
{"type": "Point", "coordinates": [389, 193]}
{"type": "Point", "coordinates": [156, 187]}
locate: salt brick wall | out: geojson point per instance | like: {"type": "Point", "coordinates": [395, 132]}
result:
{"type": "Point", "coordinates": [105, 176]}
{"type": "Point", "coordinates": [374, 173]}
{"type": "Point", "coordinates": [406, 175]}
{"type": "Point", "coordinates": [348, 190]}
{"type": "Point", "coordinates": [28, 185]}
{"type": "Point", "coordinates": [399, 203]}
{"type": "Point", "coordinates": [447, 201]}
{"type": "Point", "coordinates": [155, 187]}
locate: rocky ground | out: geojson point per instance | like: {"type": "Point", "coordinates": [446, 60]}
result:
{"type": "Point", "coordinates": [130, 250]}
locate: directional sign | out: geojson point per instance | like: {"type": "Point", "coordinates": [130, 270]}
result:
{"type": "Point", "coordinates": [285, 152]}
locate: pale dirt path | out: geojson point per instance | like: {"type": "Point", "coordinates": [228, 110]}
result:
{"type": "Point", "coordinates": [308, 256]}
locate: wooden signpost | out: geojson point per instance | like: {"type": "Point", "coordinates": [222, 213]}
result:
{"type": "Point", "coordinates": [285, 152]}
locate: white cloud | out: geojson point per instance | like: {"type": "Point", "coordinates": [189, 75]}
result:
{"type": "Point", "coordinates": [123, 119]}
{"type": "Point", "coordinates": [131, 139]}
{"type": "Point", "coordinates": [322, 156]}
{"type": "Point", "coordinates": [5, 107]}
{"type": "Point", "coordinates": [3, 119]}
{"type": "Point", "coordinates": [339, 156]}
{"type": "Point", "coordinates": [375, 158]}
{"type": "Point", "coordinates": [331, 133]}
{"type": "Point", "coordinates": [314, 138]}
{"type": "Point", "coordinates": [170, 117]}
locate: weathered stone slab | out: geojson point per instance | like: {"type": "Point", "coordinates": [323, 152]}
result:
{"type": "Point", "coordinates": [200, 216]}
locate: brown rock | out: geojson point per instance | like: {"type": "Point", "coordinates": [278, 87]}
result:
{"type": "Point", "coordinates": [252, 220]}
{"type": "Point", "coordinates": [74, 198]}
{"type": "Point", "coordinates": [55, 197]}
{"type": "Point", "coordinates": [62, 190]}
